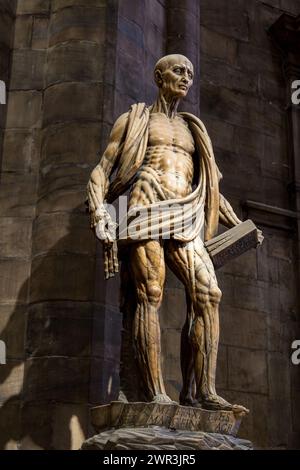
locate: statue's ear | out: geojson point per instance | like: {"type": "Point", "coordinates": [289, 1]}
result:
{"type": "Point", "coordinates": [158, 78]}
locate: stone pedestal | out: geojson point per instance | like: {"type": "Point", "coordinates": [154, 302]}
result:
{"type": "Point", "coordinates": [153, 426]}
{"type": "Point", "coordinates": [158, 438]}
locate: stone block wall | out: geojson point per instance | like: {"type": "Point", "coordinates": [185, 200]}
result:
{"type": "Point", "coordinates": [76, 65]}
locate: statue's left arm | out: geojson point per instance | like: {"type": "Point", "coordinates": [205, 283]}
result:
{"type": "Point", "coordinates": [227, 216]}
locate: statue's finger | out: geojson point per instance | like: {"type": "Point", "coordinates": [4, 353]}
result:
{"type": "Point", "coordinates": [110, 267]}
{"type": "Point", "coordinates": [111, 262]}
{"type": "Point", "coordinates": [106, 273]}
{"type": "Point", "coordinates": [115, 257]}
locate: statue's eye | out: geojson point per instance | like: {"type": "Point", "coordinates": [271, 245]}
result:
{"type": "Point", "coordinates": [177, 70]}
{"type": "Point", "coordinates": [190, 75]}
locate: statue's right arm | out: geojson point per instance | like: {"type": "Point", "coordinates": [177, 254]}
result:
{"type": "Point", "coordinates": [99, 180]}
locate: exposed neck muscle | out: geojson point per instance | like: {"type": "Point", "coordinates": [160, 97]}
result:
{"type": "Point", "coordinates": [166, 105]}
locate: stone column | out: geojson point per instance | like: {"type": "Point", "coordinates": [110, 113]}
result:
{"type": "Point", "coordinates": [62, 285]}
{"type": "Point", "coordinates": [183, 37]}
{"type": "Point", "coordinates": [19, 137]}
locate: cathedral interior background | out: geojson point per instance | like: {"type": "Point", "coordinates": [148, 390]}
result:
{"type": "Point", "coordinates": [71, 67]}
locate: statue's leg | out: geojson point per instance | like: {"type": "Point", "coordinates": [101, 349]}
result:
{"type": "Point", "coordinates": [182, 260]}
{"type": "Point", "coordinates": [131, 386]}
{"type": "Point", "coordinates": [148, 272]}
{"type": "Point", "coordinates": [193, 266]}
{"type": "Point", "coordinates": [187, 393]}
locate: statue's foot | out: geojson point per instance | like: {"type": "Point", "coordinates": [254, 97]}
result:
{"type": "Point", "coordinates": [163, 399]}
{"type": "Point", "coordinates": [189, 401]}
{"type": "Point", "coordinates": [215, 402]}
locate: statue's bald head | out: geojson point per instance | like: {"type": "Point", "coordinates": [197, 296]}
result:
{"type": "Point", "coordinates": [167, 61]}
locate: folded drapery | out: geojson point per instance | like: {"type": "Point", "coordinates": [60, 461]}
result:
{"type": "Point", "coordinates": [179, 218]}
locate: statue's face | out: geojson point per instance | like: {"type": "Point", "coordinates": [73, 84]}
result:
{"type": "Point", "coordinates": [177, 78]}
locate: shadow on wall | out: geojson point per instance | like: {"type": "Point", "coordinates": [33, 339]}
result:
{"type": "Point", "coordinates": [46, 390]}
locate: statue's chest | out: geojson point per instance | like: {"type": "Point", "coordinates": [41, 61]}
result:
{"type": "Point", "coordinates": [165, 131]}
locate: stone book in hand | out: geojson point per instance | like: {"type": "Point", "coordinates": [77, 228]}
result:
{"type": "Point", "coordinates": [232, 243]}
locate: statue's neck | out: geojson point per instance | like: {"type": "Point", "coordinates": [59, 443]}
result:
{"type": "Point", "coordinates": [166, 105]}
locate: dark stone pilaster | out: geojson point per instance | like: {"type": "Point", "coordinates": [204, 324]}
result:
{"type": "Point", "coordinates": [183, 37]}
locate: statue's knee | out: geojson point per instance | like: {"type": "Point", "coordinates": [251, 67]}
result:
{"type": "Point", "coordinates": [154, 293]}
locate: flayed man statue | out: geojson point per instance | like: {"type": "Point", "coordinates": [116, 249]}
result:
{"type": "Point", "coordinates": [164, 160]}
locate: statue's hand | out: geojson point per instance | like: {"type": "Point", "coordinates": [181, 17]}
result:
{"type": "Point", "coordinates": [260, 236]}
{"type": "Point", "coordinates": [105, 228]}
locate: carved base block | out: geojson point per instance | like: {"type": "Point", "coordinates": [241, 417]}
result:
{"type": "Point", "coordinates": [158, 438]}
{"type": "Point", "coordinates": [169, 416]}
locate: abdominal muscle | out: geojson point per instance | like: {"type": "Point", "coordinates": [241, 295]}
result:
{"type": "Point", "coordinates": [172, 168]}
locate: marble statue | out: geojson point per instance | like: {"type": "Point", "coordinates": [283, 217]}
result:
{"type": "Point", "coordinates": [164, 160]}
